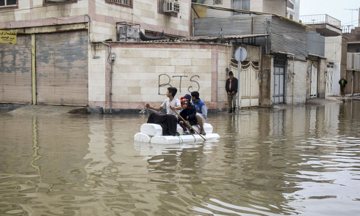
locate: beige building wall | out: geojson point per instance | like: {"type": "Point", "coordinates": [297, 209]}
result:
{"type": "Point", "coordinates": [142, 72]}
{"type": "Point", "coordinates": [103, 17]}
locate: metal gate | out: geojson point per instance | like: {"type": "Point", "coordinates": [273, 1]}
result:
{"type": "Point", "coordinates": [61, 68]}
{"type": "Point", "coordinates": [249, 84]}
{"type": "Point", "coordinates": [279, 81]}
{"type": "Point", "coordinates": [15, 71]}
{"type": "Point", "coordinates": [329, 80]}
{"type": "Point", "coordinates": [313, 80]}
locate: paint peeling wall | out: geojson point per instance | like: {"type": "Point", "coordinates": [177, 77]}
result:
{"type": "Point", "coordinates": [62, 68]}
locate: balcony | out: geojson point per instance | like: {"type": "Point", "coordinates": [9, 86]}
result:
{"type": "Point", "coordinates": [323, 24]}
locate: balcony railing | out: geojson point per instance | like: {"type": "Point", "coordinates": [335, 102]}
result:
{"type": "Point", "coordinates": [320, 19]}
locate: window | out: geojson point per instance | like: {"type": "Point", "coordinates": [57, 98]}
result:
{"type": "Point", "coordinates": [241, 4]}
{"type": "Point", "coordinates": [8, 3]}
{"type": "Point", "coordinates": [218, 2]}
{"type": "Point", "coordinates": [120, 2]}
{"type": "Point", "coordinates": [290, 5]}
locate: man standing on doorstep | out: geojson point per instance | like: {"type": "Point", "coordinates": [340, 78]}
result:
{"type": "Point", "coordinates": [342, 83]}
{"type": "Point", "coordinates": [231, 87]}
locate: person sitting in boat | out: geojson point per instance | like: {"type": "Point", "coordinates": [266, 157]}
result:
{"type": "Point", "coordinates": [167, 121]}
{"type": "Point", "coordinates": [188, 113]}
{"type": "Point", "coordinates": [201, 110]}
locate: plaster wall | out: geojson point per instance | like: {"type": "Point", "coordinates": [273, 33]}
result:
{"type": "Point", "coordinates": [333, 48]}
{"type": "Point", "coordinates": [142, 73]}
{"type": "Point", "coordinates": [97, 59]}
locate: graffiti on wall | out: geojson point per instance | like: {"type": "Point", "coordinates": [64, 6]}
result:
{"type": "Point", "coordinates": [167, 83]}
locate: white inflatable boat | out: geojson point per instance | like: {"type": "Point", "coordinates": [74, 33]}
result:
{"type": "Point", "coordinates": [152, 133]}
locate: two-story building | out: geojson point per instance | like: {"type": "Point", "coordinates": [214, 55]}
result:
{"type": "Point", "coordinates": [88, 53]}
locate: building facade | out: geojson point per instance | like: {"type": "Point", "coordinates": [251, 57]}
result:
{"type": "Point", "coordinates": [68, 53]}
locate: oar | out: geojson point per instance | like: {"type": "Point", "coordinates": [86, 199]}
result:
{"type": "Point", "coordinates": [188, 124]}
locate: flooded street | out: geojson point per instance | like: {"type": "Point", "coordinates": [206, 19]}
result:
{"type": "Point", "coordinates": [302, 160]}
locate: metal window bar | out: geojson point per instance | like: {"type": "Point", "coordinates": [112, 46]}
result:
{"type": "Point", "coordinates": [122, 2]}
{"type": "Point", "coordinates": [320, 19]}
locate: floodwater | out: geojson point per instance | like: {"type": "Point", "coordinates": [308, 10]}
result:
{"type": "Point", "coordinates": [301, 160]}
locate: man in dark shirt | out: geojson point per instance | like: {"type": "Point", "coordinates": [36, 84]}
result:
{"type": "Point", "coordinates": [342, 83]}
{"type": "Point", "coordinates": [231, 87]}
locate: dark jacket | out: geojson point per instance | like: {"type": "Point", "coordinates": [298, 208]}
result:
{"type": "Point", "coordinates": [234, 85]}
{"type": "Point", "coordinates": [191, 113]}
{"type": "Point", "coordinates": [344, 84]}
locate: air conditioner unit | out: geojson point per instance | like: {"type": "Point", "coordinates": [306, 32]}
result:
{"type": "Point", "coordinates": [171, 7]}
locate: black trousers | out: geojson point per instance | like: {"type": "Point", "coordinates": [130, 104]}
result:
{"type": "Point", "coordinates": [167, 122]}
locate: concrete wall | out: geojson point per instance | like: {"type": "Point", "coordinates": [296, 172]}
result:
{"type": "Point", "coordinates": [315, 43]}
{"type": "Point", "coordinates": [266, 91]}
{"type": "Point", "coordinates": [277, 7]}
{"type": "Point", "coordinates": [289, 37]}
{"type": "Point", "coordinates": [142, 72]}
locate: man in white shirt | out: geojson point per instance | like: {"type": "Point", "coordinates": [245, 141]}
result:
{"type": "Point", "coordinates": [167, 121]}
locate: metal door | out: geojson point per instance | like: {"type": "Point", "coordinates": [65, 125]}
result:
{"type": "Point", "coordinates": [279, 73]}
{"type": "Point", "coordinates": [329, 81]}
{"type": "Point", "coordinates": [61, 67]}
{"type": "Point", "coordinates": [313, 80]}
{"type": "Point", "coordinates": [15, 71]}
{"type": "Point", "coordinates": [249, 83]}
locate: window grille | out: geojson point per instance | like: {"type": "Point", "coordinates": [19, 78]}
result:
{"type": "Point", "coordinates": [121, 2]}
{"type": "Point", "coordinates": [8, 3]}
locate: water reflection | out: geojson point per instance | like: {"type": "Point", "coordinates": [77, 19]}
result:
{"type": "Point", "coordinates": [290, 160]}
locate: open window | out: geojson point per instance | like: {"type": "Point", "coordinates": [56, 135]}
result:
{"type": "Point", "coordinates": [8, 3]}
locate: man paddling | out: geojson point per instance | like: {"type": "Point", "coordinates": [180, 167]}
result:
{"type": "Point", "coordinates": [167, 121]}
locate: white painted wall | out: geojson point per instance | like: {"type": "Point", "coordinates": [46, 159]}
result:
{"type": "Point", "coordinates": [295, 85]}
{"type": "Point", "coordinates": [333, 54]}
{"type": "Point", "coordinates": [333, 48]}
